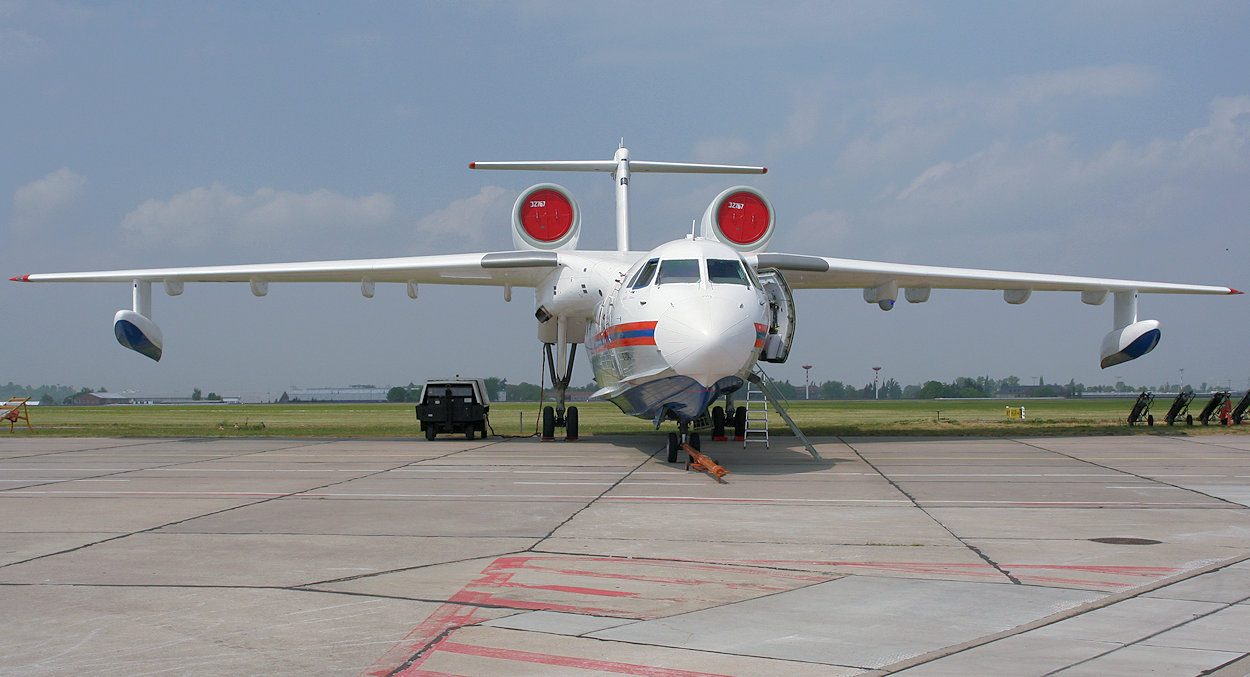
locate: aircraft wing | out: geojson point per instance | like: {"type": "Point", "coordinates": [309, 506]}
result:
{"type": "Point", "coordinates": [817, 272]}
{"type": "Point", "coordinates": [519, 268]}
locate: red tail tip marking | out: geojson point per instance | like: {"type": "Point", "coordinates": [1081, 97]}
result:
{"type": "Point", "coordinates": [20, 278]}
{"type": "Point", "coordinates": [1234, 291]}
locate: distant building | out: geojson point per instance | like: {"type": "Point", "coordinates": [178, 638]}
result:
{"type": "Point", "coordinates": [98, 399]}
{"type": "Point", "coordinates": [350, 394]}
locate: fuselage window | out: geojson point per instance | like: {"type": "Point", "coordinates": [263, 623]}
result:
{"type": "Point", "coordinates": [725, 271]}
{"type": "Point", "coordinates": [678, 270]}
{"type": "Point", "coordinates": [643, 278]}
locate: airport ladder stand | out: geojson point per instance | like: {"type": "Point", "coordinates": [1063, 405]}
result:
{"type": "Point", "coordinates": [757, 415]}
{"type": "Point", "coordinates": [761, 390]}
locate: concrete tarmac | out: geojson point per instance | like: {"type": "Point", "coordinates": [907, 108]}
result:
{"type": "Point", "coordinates": [916, 557]}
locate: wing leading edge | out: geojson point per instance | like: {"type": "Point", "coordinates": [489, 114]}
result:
{"type": "Point", "coordinates": [817, 272]}
{"type": "Point", "coordinates": [519, 268]}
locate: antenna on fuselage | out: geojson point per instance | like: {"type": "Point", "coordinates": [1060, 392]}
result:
{"type": "Point", "coordinates": [620, 166]}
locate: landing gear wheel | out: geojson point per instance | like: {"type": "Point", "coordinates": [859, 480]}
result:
{"type": "Point", "coordinates": [1150, 419]}
{"type": "Point", "coordinates": [718, 423]}
{"type": "Point", "coordinates": [1189, 419]}
{"type": "Point", "coordinates": [549, 423]}
{"type": "Point", "coordinates": [430, 432]}
{"type": "Point", "coordinates": [570, 424]}
{"type": "Point", "coordinates": [673, 446]}
{"type": "Point", "coordinates": [693, 440]}
{"type": "Point", "coordinates": [740, 423]}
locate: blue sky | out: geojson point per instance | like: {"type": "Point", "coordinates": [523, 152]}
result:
{"type": "Point", "coordinates": [1106, 139]}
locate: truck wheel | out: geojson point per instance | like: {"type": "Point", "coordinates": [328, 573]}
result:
{"type": "Point", "coordinates": [549, 423]}
{"type": "Point", "coordinates": [468, 432]}
{"type": "Point", "coordinates": [570, 424]}
{"type": "Point", "coordinates": [430, 433]}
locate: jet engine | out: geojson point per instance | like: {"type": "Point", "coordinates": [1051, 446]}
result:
{"type": "Point", "coordinates": [740, 217]}
{"type": "Point", "coordinates": [545, 216]}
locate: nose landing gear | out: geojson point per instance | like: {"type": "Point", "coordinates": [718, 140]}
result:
{"type": "Point", "coordinates": [682, 437]}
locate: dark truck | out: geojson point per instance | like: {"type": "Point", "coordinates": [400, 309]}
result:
{"type": "Point", "coordinates": [453, 405]}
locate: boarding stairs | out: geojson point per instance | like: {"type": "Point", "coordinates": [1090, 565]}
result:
{"type": "Point", "coordinates": [759, 394]}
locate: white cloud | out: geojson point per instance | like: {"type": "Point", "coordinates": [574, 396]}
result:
{"type": "Point", "coordinates": [467, 219]}
{"type": "Point", "coordinates": [40, 204]}
{"type": "Point", "coordinates": [216, 213]}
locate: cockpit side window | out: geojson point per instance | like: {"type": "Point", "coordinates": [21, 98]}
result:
{"type": "Point", "coordinates": [643, 278]}
{"type": "Point", "coordinates": [726, 271]}
{"type": "Point", "coordinates": [678, 270]}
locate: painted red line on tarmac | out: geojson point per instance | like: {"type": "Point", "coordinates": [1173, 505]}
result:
{"type": "Point", "coordinates": [444, 618]}
{"type": "Point", "coordinates": [567, 661]}
{"type": "Point", "coordinates": [572, 589]}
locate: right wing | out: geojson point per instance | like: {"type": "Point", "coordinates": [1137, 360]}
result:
{"type": "Point", "coordinates": [520, 268]}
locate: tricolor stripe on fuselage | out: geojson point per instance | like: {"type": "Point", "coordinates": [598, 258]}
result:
{"type": "Point", "coordinates": [625, 334]}
{"type": "Point", "coordinates": [761, 332]}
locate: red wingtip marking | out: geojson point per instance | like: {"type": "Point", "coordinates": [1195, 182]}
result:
{"type": "Point", "coordinates": [1234, 291]}
{"type": "Point", "coordinates": [472, 165]}
{"type": "Point", "coordinates": [20, 278]}
{"type": "Point", "coordinates": [765, 171]}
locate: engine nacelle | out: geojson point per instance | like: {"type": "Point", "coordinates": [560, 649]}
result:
{"type": "Point", "coordinates": [740, 217]}
{"type": "Point", "coordinates": [138, 333]}
{"type": "Point", "coordinates": [546, 216]}
{"type": "Point", "coordinates": [1129, 343]}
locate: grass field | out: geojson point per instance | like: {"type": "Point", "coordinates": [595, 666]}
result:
{"type": "Point", "coordinates": [817, 418]}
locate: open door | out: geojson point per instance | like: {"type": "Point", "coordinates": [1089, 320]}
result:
{"type": "Point", "coordinates": [781, 303]}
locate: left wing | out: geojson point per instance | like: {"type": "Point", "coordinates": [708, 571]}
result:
{"type": "Point", "coordinates": [881, 282]}
{"type": "Point", "coordinates": [817, 272]}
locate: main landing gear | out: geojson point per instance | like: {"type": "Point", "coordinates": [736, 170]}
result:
{"type": "Point", "coordinates": [721, 423]}
{"type": "Point", "coordinates": [560, 416]}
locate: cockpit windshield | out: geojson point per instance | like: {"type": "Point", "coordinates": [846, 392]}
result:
{"type": "Point", "coordinates": [726, 271]}
{"type": "Point", "coordinates": [643, 278]}
{"type": "Point", "coordinates": [678, 270]}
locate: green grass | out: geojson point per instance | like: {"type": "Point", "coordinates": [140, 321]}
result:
{"type": "Point", "coordinates": [817, 418]}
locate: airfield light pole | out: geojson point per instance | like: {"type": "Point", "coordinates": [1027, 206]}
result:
{"type": "Point", "coordinates": [876, 372]}
{"type": "Point", "coordinates": [807, 381]}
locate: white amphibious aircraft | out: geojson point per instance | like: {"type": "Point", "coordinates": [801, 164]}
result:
{"type": "Point", "coordinates": [669, 330]}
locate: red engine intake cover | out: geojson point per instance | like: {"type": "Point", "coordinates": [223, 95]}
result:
{"type": "Point", "coordinates": [743, 218]}
{"type": "Point", "coordinates": [546, 215]}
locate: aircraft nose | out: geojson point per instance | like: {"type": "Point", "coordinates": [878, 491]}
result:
{"type": "Point", "coordinates": [706, 341]}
